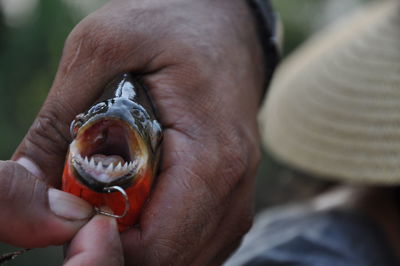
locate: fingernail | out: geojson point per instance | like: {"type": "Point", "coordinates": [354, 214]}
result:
{"type": "Point", "coordinates": [68, 206]}
{"type": "Point", "coordinates": [30, 166]}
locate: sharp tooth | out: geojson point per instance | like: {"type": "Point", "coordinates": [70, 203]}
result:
{"type": "Point", "coordinates": [99, 166]}
{"type": "Point", "coordinates": [119, 166]}
{"type": "Point", "coordinates": [92, 163]}
{"type": "Point", "coordinates": [86, 160]}
{"type": "Point", "coordinates": [130, 166]}
{"type": "Point", "coordinates": [125, 167]}
{"type": "Point", "coordinates": [110, 168]}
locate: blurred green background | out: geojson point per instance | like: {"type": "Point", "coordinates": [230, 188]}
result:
{"type": "Point", "coordinates": [32, 33]}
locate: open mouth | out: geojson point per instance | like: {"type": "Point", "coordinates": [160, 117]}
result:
{"type": "Point", "coordinates": [107, 151]}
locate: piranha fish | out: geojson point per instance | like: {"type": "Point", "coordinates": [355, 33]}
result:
{"type": "Point", "coordinates": [113, 158]}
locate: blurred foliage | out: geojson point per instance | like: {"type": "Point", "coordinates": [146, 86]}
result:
{"type": "Point", "coordinates": [297, 19]}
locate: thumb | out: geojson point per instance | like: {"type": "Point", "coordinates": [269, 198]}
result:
{"type": "Point", "coordinates": [34, 215]}
{"type": "Point", "coordinates": [97, 243]}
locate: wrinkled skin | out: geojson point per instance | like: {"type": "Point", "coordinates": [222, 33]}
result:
{"type": "Point", "coordinates": [203, 65]}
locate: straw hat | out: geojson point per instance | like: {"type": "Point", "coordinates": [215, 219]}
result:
{"type": "Point", "coordinates": [333, 109]}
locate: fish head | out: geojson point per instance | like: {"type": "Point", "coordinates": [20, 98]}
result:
{"type": "Point", "coordinates": [114, 142]}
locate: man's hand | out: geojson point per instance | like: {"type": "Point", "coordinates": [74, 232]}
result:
{"type": "Point", "coordinates": [203, 65]}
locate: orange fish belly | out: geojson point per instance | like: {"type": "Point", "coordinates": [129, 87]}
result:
{"type": "Point", "coordinates": [137, 193]}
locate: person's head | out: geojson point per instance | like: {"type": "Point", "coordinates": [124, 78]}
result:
{"type": "Point", "coordinates": [333, 109]}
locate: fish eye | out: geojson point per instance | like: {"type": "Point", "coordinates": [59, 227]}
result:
{"type": "Point", "coordinates": [139, 115]}
{"type": "Point", "coordinates": [76, 124]}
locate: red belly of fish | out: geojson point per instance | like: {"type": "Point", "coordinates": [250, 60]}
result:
{"type": "Point", "coordinates": [137, 195]}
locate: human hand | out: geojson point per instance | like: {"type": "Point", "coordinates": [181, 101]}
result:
{"type": "Point", "coordinates": [96, 244]}
{"type": "Point", "coordinates": [203, 65]}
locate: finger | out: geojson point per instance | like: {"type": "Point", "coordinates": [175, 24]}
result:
{"type": "Point", "coordinates": [97, 243]}
{"type": "Point", "coordinates": [34, 215]}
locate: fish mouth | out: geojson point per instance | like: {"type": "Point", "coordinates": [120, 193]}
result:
{"type": "Point", "coordinates": [107, 152]}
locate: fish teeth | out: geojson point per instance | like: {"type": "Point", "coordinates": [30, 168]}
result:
{"type": "Point", "coordinates": [119, 167]}
{"type": "Point", "coordinates": [92, 163]}
{"type": "Point", "coordinates": [99, 166]}
{"type": "Point", "coordinates": [110, 168]}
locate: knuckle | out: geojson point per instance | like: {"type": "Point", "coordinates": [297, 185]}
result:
{"type": "Point", "coordinates": [18, 186]}
{"type": "Point", "coordinates": [46, 127]}
{"type": "Point", "coordinates": [47, 134]}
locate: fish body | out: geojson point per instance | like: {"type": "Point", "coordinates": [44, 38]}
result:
{"type": "Point", "coordinates": [115, 143]}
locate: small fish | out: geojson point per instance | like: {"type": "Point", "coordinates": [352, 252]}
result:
{"type": "Point", "coordinates": [113, 158]}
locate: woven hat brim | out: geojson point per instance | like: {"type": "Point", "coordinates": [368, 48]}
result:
{"type": "Point", "coordinates": [334, 106]}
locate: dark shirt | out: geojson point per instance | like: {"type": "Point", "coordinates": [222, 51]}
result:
{"type": "Point", "coordinates": [301, 237]}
